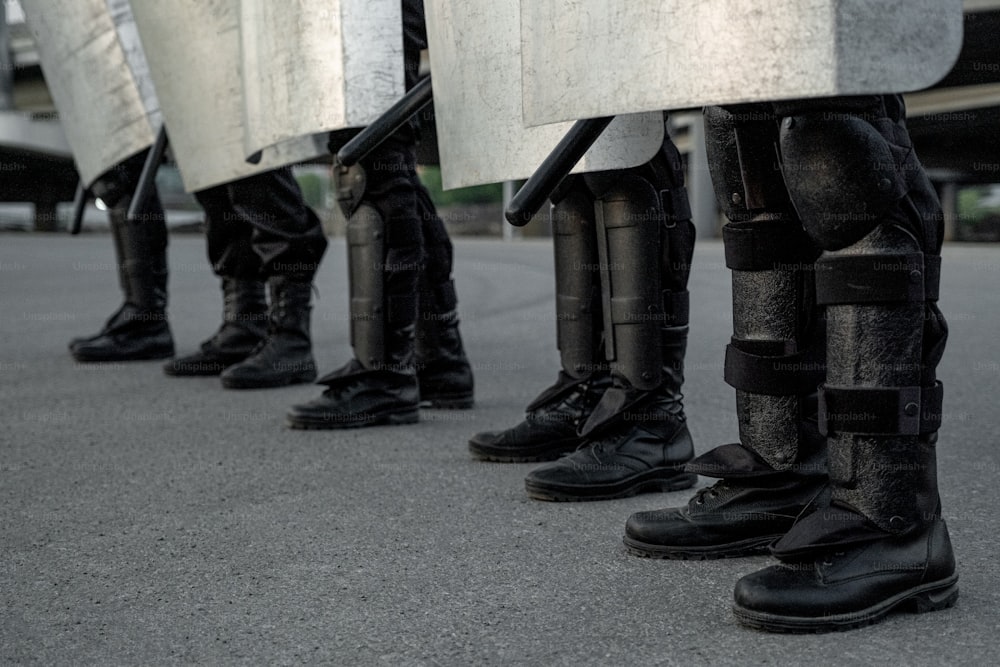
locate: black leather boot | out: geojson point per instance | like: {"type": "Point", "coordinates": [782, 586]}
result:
{"type": "Point", "coordinates": [285, 356]}
{"type": "Point", "coordinates": [881, 543]}
{"type": "Point", "coordinates": [777, 471]}
{"type": "Point", "coordinates": [443, 371]}
{"type": "Point", "coordinates": [244, 326]}
{"type": "Point", "coordinates": [116, 317]}
{"type": "Point", "coordinates": [550, 427]}
{"type": "Point", "coordinates": [139, 329]}
{"type": "Point", "coordinates": [634, 441]}
{"type": "Point", "coordinates": [878, 546]}
{"type": "Point", "coordinates": [636, 438]}
{"type": "Point", "coordinates": [379, 386]}
{"type": "Point", "coordinates": [358, 395]}
{"type": "Point", "coordinates": [740, 515]}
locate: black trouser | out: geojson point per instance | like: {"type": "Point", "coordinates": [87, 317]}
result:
{"type": "Point", "coordinates": [259, 226]}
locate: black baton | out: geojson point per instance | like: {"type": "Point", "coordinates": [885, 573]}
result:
{"type": "Point", "coordinates": [80, 200]}
{"type": "Point", "coordinates": [554, 169]}
{"type": "Point", "coordinates": [147, 178]}
{"type": "Point", "coordinates": [384, 126]}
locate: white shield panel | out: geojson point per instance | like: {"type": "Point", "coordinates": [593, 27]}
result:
{"type": "Point", "coordinates": [312, 66]}
{"type": "Point", "coordinates": [476, 69]}
{"type": "Point", "coordinates": [98, 78]}
{"type": "Point", "coordinates": [592, 58]}
{"type": "Point", "coordinates": [193, 50]}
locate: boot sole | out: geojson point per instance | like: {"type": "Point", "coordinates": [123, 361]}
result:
{"type": "Point", "coordinates": [444, 402]}
{"type": "Point", "coordinates": [202, 371]}
{"type": "Point", "coordinates": [151, 355]}
{"type": "Point", "coordinates": [648, 482]}
{"type": "Point", "coordinates": [749, 547]}
{"type": "Point", "coordinates": [547, 452]}
{"type": "Point", "coordinates": [248, 383]}
{"type": "Point", "coordinates": [201, 368]}
{"type": "Point", "coordinates": [394, 419]}
{"type": "Point", "coordinates": [920, 599]}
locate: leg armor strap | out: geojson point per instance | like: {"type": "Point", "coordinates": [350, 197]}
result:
{"type": "Point", "coordinates": [877, 278]}
{"type": "Point", "coordinates": [881, 410]}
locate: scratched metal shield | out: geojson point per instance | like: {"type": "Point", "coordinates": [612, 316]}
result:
{"type": "Point", "coordinates": [312, 66]}
{"type": "Point", "coordinates": [592, 58]}
{"type": "Point", "coordinates": [98, 78]}
{"type": "Point", "coordinates": [193, 50]}
{"type": "Point", "coordinates": [474, 50]}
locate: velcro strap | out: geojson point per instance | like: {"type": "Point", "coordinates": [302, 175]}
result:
{"type": "Point", "coordinates": [786, 374]}
{"type": "Point", "coordinates": [843, 279]}
{"type": "Point", "coordinates": [766, 245]}
{"type": "Point", "coordinates": [676, 207]}
{"type": "Point", "coordinates": [677, 308]}
{"type": "Point", "coordinates": [880, 411]}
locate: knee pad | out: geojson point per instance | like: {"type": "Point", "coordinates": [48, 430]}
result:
{"type": "Point", "coordinates": [841, 174]}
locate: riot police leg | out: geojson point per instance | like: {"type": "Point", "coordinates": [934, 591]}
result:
{"type": "Point", "coordinates": [385, 256]}
{"type": "Point", "coordinates": [880, 542]}
{"type": "Point", "coordinates": [550, 426]}
{"type": "Point", "coordinates": [138, 330]}
{"type": "Point", "coordinates": [774, 362]}
{"type": "Point", "coordinates": [636, 438]}
{"type": "Point", "coordinates": [244, 309]}
{"type": "Point", "coordinates": [288, 238]}
{"type": "Point", "coordinates": [443, 371]}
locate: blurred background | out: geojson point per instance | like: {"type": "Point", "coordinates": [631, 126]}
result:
{"type": "Point", "coordinates": [955, 125]}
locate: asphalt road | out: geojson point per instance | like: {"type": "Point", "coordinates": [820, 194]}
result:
{"type": "Point", "coordinates": [151, 520]}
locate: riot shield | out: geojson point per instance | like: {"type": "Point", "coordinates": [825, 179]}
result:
{"type": "Point", "coordinates": [593, 58]}
{"type": "Point", "coordinates": [312, 66]}
{"type": "Point", "coordinates": [98, 78]}
{"type": "Point", "coordinates": [474, 50]}
{"type": "Point", "coordinates": [193, 50]}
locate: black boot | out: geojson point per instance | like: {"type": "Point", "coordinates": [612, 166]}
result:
{"type": "Point", "coordinates": [635, 441]}
{"type": "Point", "coordinates": [550, 427]}
{"type": "Point", "coordinates": [244, 317]}
{"type": "Point", "coordinates": [881, 543]}
{"type": "Point", "coordinates": [139, 329]}
{"type": "Point", "coordinates": [775, 361]}
{"type": "Point", "coordinates": [285, 356]}
{"type": "Point", "coordinates": [443, 371]}
{"type": "Point", "coordinates": [116, 319]}
{"type": "Point", "coordinates": [358, 395]}
{"type": "Point", "coordinates": [379, 386]}
{"type": "Point", "coordinates": [750, 508]}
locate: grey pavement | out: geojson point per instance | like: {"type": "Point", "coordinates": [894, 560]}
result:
{"type": "Point", "coordinates": [150, 520]}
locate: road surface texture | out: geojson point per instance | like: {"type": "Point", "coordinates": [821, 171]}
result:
{"type": "Point", "coordinates": [151, 520]}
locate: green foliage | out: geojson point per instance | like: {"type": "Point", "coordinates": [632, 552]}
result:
{"type": "Point", "coordinates": [480, 194]}
{"type": "Point", "coordinates": [978, 213]}
{"type": "Point", "coordinates": [313, 188]}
